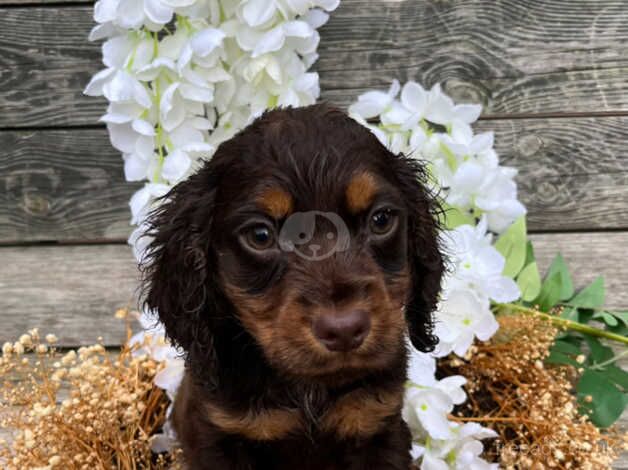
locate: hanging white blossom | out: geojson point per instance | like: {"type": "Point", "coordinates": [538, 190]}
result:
{"type": "Point", "coordinates": [182, 76]}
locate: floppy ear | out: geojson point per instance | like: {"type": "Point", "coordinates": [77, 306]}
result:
{"type": "Point", "coordinates": [425, 257]}
{"type": "Point", "coordinates": [177, 269]}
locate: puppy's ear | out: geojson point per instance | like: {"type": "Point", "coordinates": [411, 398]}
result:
{"type": "Point", "coordinates": [424, 255]}
{"type": "Point", "coordinates": [177, 277]}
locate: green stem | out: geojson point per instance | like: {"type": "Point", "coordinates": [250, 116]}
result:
{"type": "Point", "coordinates": [601, 365]}
{"type": "Point", "coordinates": [564, 323]}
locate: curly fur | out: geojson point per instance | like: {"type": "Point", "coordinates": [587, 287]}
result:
{"type": "Point", "coordinates": [206, 290]}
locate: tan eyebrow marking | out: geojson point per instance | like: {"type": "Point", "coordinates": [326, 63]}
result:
{"type": "Point", "coordinates": [360, 192]}
{"type": "Point", "coordinates": [277, 202]}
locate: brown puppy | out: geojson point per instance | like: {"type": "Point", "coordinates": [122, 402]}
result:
{"type": "Point", "coordinates": [289, 268]}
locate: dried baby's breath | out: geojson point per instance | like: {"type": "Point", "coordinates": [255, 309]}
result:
{"type": "Point", "coordinates": [529, 403]}
{"type": "Point", "coordinates": [83, 409]}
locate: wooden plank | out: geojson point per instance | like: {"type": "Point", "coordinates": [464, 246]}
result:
{"type": "Point", "coordinates": [69, 185]}
{"type": "Point", "coordinates": [589, 255]}
{"type": "Point", "coordinates": [513, 56]}
{"type": "Point", "coordinates": [573, 172]}
{"type": "Point", "coordinates": [14, 3]}
{"type": "Point", "coordinates": [73, 291]}
{"type": "Point", "coordinates": [62, 185]}
{"type": "Point", "coordinates": [45, 63]}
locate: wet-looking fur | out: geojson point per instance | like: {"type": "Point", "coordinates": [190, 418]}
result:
{"type": "Point", "coordinates": [260, 391]}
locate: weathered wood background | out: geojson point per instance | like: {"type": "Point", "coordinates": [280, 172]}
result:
{"type": "Point", "coordinates": [552, 76]}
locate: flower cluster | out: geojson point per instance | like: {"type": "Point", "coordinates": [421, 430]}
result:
{"type": "Point", "coordinates": [481, 200]}
{"type": "Point", "coordinates": [464, 165]}
{"type": "Point", "coordinates": [79, 409]}
{"type": "Point", "coordinates": [182, 76]}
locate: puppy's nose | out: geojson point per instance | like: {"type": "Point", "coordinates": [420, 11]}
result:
{"type": "Point", "coordinates": [342, 331]}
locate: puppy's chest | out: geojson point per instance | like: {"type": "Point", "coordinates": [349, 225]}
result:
{"type": "Point", "coordinates": [357, 414]}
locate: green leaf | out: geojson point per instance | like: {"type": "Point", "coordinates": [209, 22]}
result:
{"type": "Point", "coordinates": [591, 296]}
{"type": "Point", "coordinates": [513, 246]}
{"type": "Point", "coordinates": [580, 315]}
{"type": "Point", "coordinates": [550, 292]}
{"type": "Point", "coordinates": [622, 315]}
{"type": "Point", "coordinates": [599, 352]}
{"type": "Point", "coordinates": [607, 318]}
{"type": "Point", "coordinates": [529, 282]}
{"type": "Point", "coordinates": [557, 357]}
{"type": "Point", "coordinates": [620, 329]}
{"type": "Point", "coordinates": [617, 375]}
{"type": "Point", "coordinates": [608, 402]}
{"type": "Point", "coordinates": [529, 253]}
{"type": "Point", "coordinates": [565, 347]}
{"type": "Point", "coordinates": [559, 266]}
{"type": "Point", "coordinates": [454, 217]}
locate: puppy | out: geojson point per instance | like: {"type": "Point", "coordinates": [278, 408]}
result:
{"type": "Point", "coordinates": [290, 268]}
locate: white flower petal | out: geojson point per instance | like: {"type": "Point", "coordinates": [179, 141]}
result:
{"type": "Point", "coordinates": [414, 97]}
{"type": "Point", "coordinates": [95, 85]}
{"type": "Point", "coordinates": [130, 13]}
{"type": "Point", "coordinates": [135, 168]}
{"type": "Point", "coordinates": [158, 12]}
{"type": "Point", "coordinates": [171, 108]}
{"type": "Point", "coordinates": [122, 137]}
{"type": "Point", "coordinates": [141, 126]}
{"type": "Point", "coordinates": [257, 12]}
{"type": "Point", "coordinates": [468, 113]}
{"type": "Point", "coordinates": [176, 165]}
{"type": "Point", "coordinates": [300, 29]}
{"type": "Point", "coordinates": [170, 377]}
{"type": "Point", "coordinates": [272, 41]}
{"type": "Point", "coordinates": [206, 41]}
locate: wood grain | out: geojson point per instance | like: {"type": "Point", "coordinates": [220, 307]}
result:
{"type": "Point", "coordinates": [73, 291]}
{"type": "Point", "coordinates": [514, 56]}
{"type": "Point", "coordinates": [573, 172]}
{"type": "Point", "coordinates": [45, 63]}
{"type": "Point", "coordinates": [68, 184]}
{"type": "Point", "coordinates": [62, 185]}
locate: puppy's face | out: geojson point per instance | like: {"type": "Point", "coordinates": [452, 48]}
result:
{"type": "Point", "coordinates": [322, 242]}
{"type": "Point", "coordinates": [319, 276]}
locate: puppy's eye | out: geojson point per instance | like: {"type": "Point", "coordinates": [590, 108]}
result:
{"type": "Point", "coordinates": [259, 237]}
{"type": "Point", "coordinates": [382, 222]}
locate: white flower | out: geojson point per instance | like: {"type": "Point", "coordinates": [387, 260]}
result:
{"type": "Point", "coordinates": [477, 264]}
{"type": "Point", "coordinates": [442, 110]}
{"type": "Point", "coordinates": [256, 13]}
{"type": "Point", "coordinates": [143, 198]}
{"type": "Point", "coordinates": [462, 315]}
{"type": "Point", "coordinates": [425, 410]}
{"type": "Point", "coordinates": [460, 452]}
{"type": "Point", "coordinates": [373, 103]}
{"type": "Point", "coordinates": [498, 197]}
{"type": "Point", "coordinates": [167, 439]}
{"type": "Point", "coordinates": [169, 378]}
{"type": "Point", "coordinates": [422, 370]}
